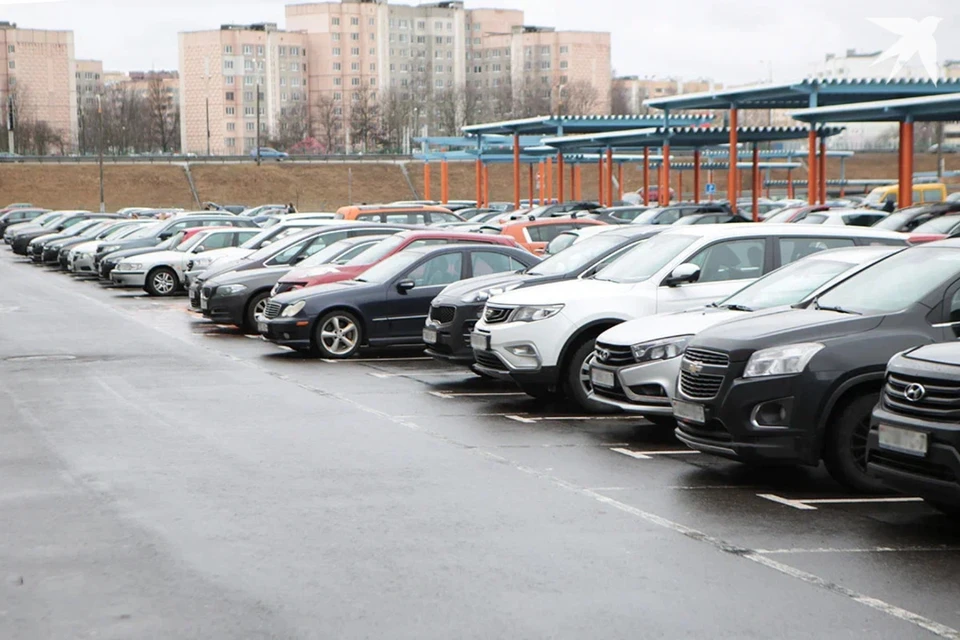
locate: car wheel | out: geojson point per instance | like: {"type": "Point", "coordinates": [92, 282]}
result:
{"type": "Point", "coordinates": [162, 281]}
{"type": "Point", "coordinates": [255, 307]}
{"type": "Point", "coordinates": [338, 335]}
{"type": "Point", "coordinates": [577, 382]}
{"type": "Point", "coordinates": [845, 452]}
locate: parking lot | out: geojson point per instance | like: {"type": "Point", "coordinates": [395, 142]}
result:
{"type": "Point", "coordinates": [166, 477]}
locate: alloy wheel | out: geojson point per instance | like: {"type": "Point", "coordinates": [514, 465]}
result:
{"type": "Point", "coordinates": [339, 335]}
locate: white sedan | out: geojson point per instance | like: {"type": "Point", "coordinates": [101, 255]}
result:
{"type": "Point", "coordinates": [161, 273]}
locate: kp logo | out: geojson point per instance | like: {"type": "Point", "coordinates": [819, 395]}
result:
{"type": "Point", "coordinates": [916, 39]}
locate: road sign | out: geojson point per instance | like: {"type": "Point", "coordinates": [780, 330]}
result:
{"type": "Point", "coordinates": [711, 188]}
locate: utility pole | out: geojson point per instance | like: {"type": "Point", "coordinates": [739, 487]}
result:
{"type": "Point", "coordinates": [10, 123]}
{"type": "Point", "coordinates": [206, 63]}
{"type": "Point", "coordinates": [103, 207]}
{"type": "Point", "coordinates": [258, 125]}
{"type": "Point", "coordinates": [940, 138]}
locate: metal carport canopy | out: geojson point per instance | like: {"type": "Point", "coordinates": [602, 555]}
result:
{"type": "Point", "coordinates": [683, 137]}
{"type": "Point", "coordinates": [939, 108]}
{"type": "Point", "coordinates": [551, 125]}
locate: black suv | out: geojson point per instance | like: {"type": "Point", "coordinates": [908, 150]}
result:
{"type": "Point", "coordinates": [914, 443]}
{"type": "Point", "coordinates": [799, 385]}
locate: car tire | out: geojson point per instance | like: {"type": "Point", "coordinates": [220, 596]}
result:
{"type": "Point", "coordinates": [338, 335]}
{"type": "Point", "coordinates": [255, 305]}
{"type": "Point", "coordinates": [845, 451]}
{"type": "Point", "coordinates": [577, 380]}
{"type": "Point", "coordinates": [162, 282]}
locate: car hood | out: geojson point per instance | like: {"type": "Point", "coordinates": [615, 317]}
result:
{"type": "Point", "coordinates": [317, 295]}
{"type": "Point", "coordinates": [563, 292]}
{"type": "Point", "coordinates": [254, 277]}
{"type": "Point", "coordinates": [166, 257]}
{"type": "Point", "coordinates": [117, 256]}
{"type": "Point", "coordinates": [945, 353]}
{"type": "Point", "coordinates": [325, 273]}
{"type": "Point", "coordinates": [472, 285]}
{"type": "Point", "coordinates": [221, 256]}
{"type": "Point", "coordinates": [667, 325]}
{"type": "Point", "coordinates": [740, 338]}
{"type": "Point", "coordinates": [88, 246]}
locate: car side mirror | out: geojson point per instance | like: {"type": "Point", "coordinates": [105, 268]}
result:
{"type": "Point", "coordinates": [686, 273]}
{"type": "Point", "coordinates": [200, 249]}
{"type": "Point", "coordinates": [405, 285]}
{"type": "Point", "coordinates": [166, 235]}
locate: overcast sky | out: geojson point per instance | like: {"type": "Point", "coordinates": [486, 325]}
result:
{"type": "Point", "coordinates": [731, 41]}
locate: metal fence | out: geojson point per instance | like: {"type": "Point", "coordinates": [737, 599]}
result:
{"type": "Point", "coordinates": [192, 159]}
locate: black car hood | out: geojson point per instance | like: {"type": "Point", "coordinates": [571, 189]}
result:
{"type": "Point", "coordinates": [943, 353]}
{"type": "Point", "coordinates": [253, 278]}
{"type": "Point", "coordinates": [318, 294]}
{"type": "Point", "coordinates": [116, 256]}
{"type": "Point", "coordinates": [456, 291]}
{"type": "Point", "coordinates": [740, 338]}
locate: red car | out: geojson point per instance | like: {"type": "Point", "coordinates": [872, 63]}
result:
{"type": "Point", "coordinates": [326, 274]}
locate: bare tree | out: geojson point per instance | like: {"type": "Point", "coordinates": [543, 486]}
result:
{"type": "Point", "coordinates": [293, 126]}
{"type": "Point", "coordinates": [580, 98]}
{"type": "Point", "coordinates": [620, 101]}
{"type": "Point", "coordinates": [365, 119]}
{"type": "Point", "coordinates": [328, 123]}
{"type": "Point", "coordinates": [449, 108]}
{"type": "Point", "coordinates": [161, 108]}
{"type": "Point", "coordinates": [531, 99]}
{"type": "Point", "coordinates": [396, 117]}
{"type": "Point", "coordinates": [473, 104]}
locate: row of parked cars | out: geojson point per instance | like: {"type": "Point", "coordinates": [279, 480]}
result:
{"type": "Point", "coordinates": [763, 343]}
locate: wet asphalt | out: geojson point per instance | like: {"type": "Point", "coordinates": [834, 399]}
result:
{"type": "Point", "coordinates": [162, 477]}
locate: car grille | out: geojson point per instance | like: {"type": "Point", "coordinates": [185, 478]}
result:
{"type": "Point", "coordinates": [443, 314]}
{"type": "Point", "coordinates": [708, 357]}
{"type": "Point", "coordinates": [496, 315]}
{"type": "Point", "coordinates": [911, 464]}
{"type": "Point", "coordinates": [206, 292]}
{"type": "Point", "coordinates": [489, 360]}
{"type": "Point", "coordinates": [272, 310]}
{"type": "Point", "coordinates": [614, 355]}
{"type": "Point", "coordinates": [700, 386]}
{"type": "Point", "coordinates": [940, 401]}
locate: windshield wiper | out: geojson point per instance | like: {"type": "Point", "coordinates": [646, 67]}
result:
{"type": "Point", "coordinates": [734, 307]}
{"type": "Point", "coordinates": [819, 307]}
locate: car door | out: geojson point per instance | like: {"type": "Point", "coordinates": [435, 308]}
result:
{"type": "Point", "coordinates": [485, 262]}
{"type": "Point", "coordinates": [793, 248]}
{"type": "Point", "coordinates": [726, 266]}
{"type": "Point", "coordinates": [407, 310]}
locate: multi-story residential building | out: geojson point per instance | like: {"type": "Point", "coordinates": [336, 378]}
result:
{"type": "Point", "coordinates": [629, 92]}
{"type": "Point", "coordinates": [89, 75]}
{"type": "Point", "coordinates": [38, 69]}
{"type": "Point", "coordinates": [221, 74]}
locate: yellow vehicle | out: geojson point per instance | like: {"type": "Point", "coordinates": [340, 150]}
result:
{"type": "Point", "coordinates": [922, 194]}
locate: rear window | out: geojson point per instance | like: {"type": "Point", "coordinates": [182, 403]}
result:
{"type": "Point", "coordinates": [861, 219]}
{"type": "Point", "coordinates": [546, 232]}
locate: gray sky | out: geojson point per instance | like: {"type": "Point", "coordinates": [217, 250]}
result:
{"type": "Point", "coordinates": [731, 41]}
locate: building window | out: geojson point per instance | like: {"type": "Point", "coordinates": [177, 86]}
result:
{"type": "Point", "coordinates": [259, 65]}
{"type": "Point", "coordinates": [282, 51]}
{"type": "Point", "coordinates": [544, 79]}
{"type": "Point", "coordinates": [248, 96]}
{"type": "Point", "coordinates": [371, 22]}
{"type": "Point", "coordinates": [335, 22]}
{"type": "Point", "coordinates": [373, 82]}
{"type": "Point", "coordinates": [336, 66]}
{"type": "Point", "coordinates": [373, 51]}
{"type": "Point", "coordinates": [295, 96]}
{"type": "Point", "coordinates": [449, 39]}
{"type": "Point", "coordinates": [337, 81]}
{"type": "Point", "coordinates": [564, 49]}
{"type": "Point", "coordinates": [250, 142]}
{"type": "Point", "coordinates": [438, 84]}
{"type": "Point", "coordinates": [283, 97]}
{"type": "Point", "coordinates": [251, 126]}
{"type": "Point", "coordinates": [563, 64]}
{"type": "Point", "coordinates": [354, 66]}
{"type": "Point", "coordinates": [373, 37]}
{"type": "Point", "coordinates": [335, 37]}
{"type": "Point", "coordinates": [354, 36]}
{"type": "Point", "coordinates": [545, 64]}
{"type": "Point", "coordinates": [563, 79]}
{"type": "Point", "coordinates": [544, 51]}
{"type": "Point", "coordinates": [355, 51]}
{"type": "Point", "coordinates": [476, 41]}
{"type": "Point", "coordinates": [248, 81]}
{"type": "Point", "coordinates": [227, 48]}
{"type": "Point", "coordinates": [228, 64]}
{"type": "Point", "coordinates": [283, 82]}
{"type": "Point", "coordinates": [421, 40]}
{"type": "Point", "coordinates": [295, 51]}
{"type": "Point", "coordinates": [527, 66]}
{"type": "Point", "coordinates": [260, 50]}
{"type": "Point", "coordinates": [336, 51]}
{"type": "Point", "coordinates": [373, 67]}
{"type": "Point", "coordinates": [354, 21]}
{"type": "Point", "coordinates": [337, 96]}
{"type": "Point", "coordinates": [230, 142]}
{"type": "Point", "coordinates": [247, 50]}
{"type": "Point", "coordinates": [294, 66]}
{"type": "Point", "coordinates": [421, 24]}
{"type": "Point", "coordinates": [355, 82]}
{"type": "Point", "coordinates": [231, 111]}
{"type": "Point", "coordinates": [403, 37]}
{"type": "Point", "coordinates": [294, 82]}
{"type": "Point", "coordinates": [229, 79]}
{"type": "Point", "coordinates": [248, 65]}
{"type": "Point", "coordinates": [229, 96]}
{"type": "Point", "coordinates": [438, 39]}
{"type": "Point", "coordinates": [338, 111]}
{"type": "Point", "coordinates": [248, 111]}
{"type": "Point", "coordinates": [476, 26]}
{"type": "Point", "coordinates": [393, 67]}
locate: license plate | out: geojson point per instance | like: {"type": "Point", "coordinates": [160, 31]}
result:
{"type": "Point", "coordinates": [480, 341]}
{"type": "Point", "coordinates": [261, 327]}
{"type": "Point", "coordinates": [430, 336]}
{"type": "Point", "coordinates": [204, 304]}
{"type": "Point", "coordinates": [689, 411]}
{"type": "Point", "coordinates": [903, 440]}
{"type": "Point", "coordinates": [601, 378]}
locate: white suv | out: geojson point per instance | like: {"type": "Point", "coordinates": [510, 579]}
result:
{"type": "Point", "coordinates": [543, 337]}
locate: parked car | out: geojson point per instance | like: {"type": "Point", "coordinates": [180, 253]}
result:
{"type": "Point", "coordinates": [636, 364]}
{"type": "Point", "coordinates": [914, 444]}
{"type": "Point", "coordinates": [534, 235]}
{"type": "Point", "coordinates": [625, 214]}
{"type": "Point", "coordinates": [799, 386]}
{"type": "Point", "coordinates": [542, 337]}
{"type": "Point", "coordinates": [398, 214]}
{"type": "Point", "coordinates": [795, 214]}
{"type": "Point", "coordinates": [263, 209]}
{"type": "Point", "coordinates": [238, 297]}
{"type": "Point", "coordinates": [924, 193]}
{"type": "Point", "coordinates": [55, 251]}
{"type": "Point", "coordinates": [43, 220]}
{"type": "Point", "coordinates": [289, 251]}
{"type": "Point", "coordinates": [36, 247]}
{"type": "Point", "coordinates": [673, 213]}
{"type": "Point", "coordinates": [569, 238]}
{"type": "Point", "coordinates": [387, 305]}
{"type": "Point", "coordinates": [711, 218]}
{"type": "Point", "coordinates": [911, 218]}
{"type": "Point", "coordinates": [20, 237]}
{"type": "Point", "coordinates": [310, 275]}
{"type": "Point", "coordinates": [455, 311]}
{"type": "Point", "coordinates": [848, 217]}
{"type": "Point", "coordinates": [19, 215]}
{"type": "Point", "coordinates": [269, 153]}
{"type": "Point", "coordinates": [556, 210]}
{"type": "Point", "coordinates": [80, 257]}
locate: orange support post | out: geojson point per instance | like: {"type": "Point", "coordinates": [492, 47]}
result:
{"type": "Point", "coordinates": [549, 179]}
{"type": "Point", "coordinates": [900, 163]}
{"type": "Point", "coordinates": [812, 166]}
{"type": "Point", "coordinates": [790, 183]}
{"type": "Point", "coordinates": [579, 182]}
{"type": "Point", "coordinates": [516, 170]}
{"type": "Point", "coordinates": [680, 185]}
{"type": "Point", "coordinates": [665, 185]}
{"type": "Point", "coordinates": [755, 191]}
{"type": "Point", "coordinates": [426, 180]}
{"type": "Point", "coordinates": [573, 183]}
{"type": "Point", "coordinates": [609, 177]}
{"type": "Point", "coordinates": [646, 176]}
{"type": "Point", "coordinates": [696, 176]}
{"type": "Point", "coordinates": [600, 179]}
{"type": "Point", "coordinates": [444, 182]}
{"type": "Point", "coordinates": [560, 193]}
{"type": "Point", "coordinates": [479, 182]}
{"type": "Point", "coordinates": [486, 185]}
{"type": "Point", "coordinates": [540, 174]}
{"type": "Point", "coordinates": [822, 171]}
{"type": "Point", "coordinates": [906, 146]}
{"type": "Point", "coordinates": [732, 189]}
{"type": "Point", "coordinates": [620, 181]}
{"type": "Point", "coordinates": [530, 194]}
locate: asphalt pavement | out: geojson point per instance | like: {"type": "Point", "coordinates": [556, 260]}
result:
{"type": "Point", "coordinates": [161, 477]}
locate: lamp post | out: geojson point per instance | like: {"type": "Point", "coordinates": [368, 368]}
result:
{"type": "Point", "coordinates": [103, 207]}
{"type": "Point", "coordinates": [206, 62]}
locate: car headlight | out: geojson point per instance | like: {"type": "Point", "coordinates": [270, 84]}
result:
{"type": "Point", "coordinates": [293, 309]}
{"type": "Point", "coordinates": [781, 361]}
{"type": "Point", "coordinates": [534, 314]}
{"type": "Point", "coordinates": [202, 263]}
{"type": "Point", "coordinates": [110, 248]}
{"type": "Point", "coordinates": [666, 349]}
{"type": "Point", "coordinates": [485, 294]}
{"type": "Point", "coordinates": [129, 266]}
{"type": "Point", "coordinates": [231, 289]}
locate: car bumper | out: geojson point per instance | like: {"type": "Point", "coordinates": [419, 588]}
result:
{"type": "Point", "coordinates": [639, 388]}
{"type": "Point", "coordinates": [225, 309]}
{"type": "Point", "coordinates": [732, 427]}
{"type": "Point", "coordinates": [453, 338]}
{"type": "Point", "coordinates": [82, 265]}
{"type": "Point", "coordinates": [286, 332]}
{"type": "Point", "coordinates": [545, 338]}
{"type": "Point", "coordinates": [128, 278]}
{"type": "Point", "coordinates": [51, 256]}
{"type": "Point", "coordinates": [935, 476]}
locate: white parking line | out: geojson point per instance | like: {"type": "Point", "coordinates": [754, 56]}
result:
{"type": "Point", "coordinates": [934, 549]}
{"type": "Point", "coordinates": [449, 395]}
{"type": "Point", "coordinates": [380, 360]}
{"type": "Point", "coordinates": [452, 372]}
{"type": "Point", "coordinates": [532, 420]}
{"type": "Point", "coordinates": [649, 455]}
{"type": "Point", "coordinates": [807, 505]}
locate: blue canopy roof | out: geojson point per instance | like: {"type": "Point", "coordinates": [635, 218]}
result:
{"type": "Point", "coordinates": [939, 108]}
{"type": "Point", "coordinates": [684, 137]}
{"type": "Point", "coordinates": [551, 125]}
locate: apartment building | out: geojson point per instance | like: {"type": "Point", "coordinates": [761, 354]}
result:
{"type": "Point", "coordinates": [38, 68]}
{"type": "Point", "coordinates": [221, 74]}
{"type": "Point", "coordinates": [629, 92]}
{"type": "Point", "coordinates": [89, 76]}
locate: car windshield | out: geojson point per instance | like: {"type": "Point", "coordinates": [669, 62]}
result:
{"type": "Point", "coordinates": [643, 261]}
{"type": "Point", "coordinates": [783, 216]}
{"type": "Point", "coordinates": [257, 240]}
{"type": "Point", "coordinates": [377, 252]}
{"type": "Point", "coordinates": [391, 267]}
{"type": "Point", "coordinates": [648, 216]}
{"type": "Point", "coordinates": [268, 251]}
{"type": "Point", "coordinates": [147, 230]}
{"type": "Point", "coordinates": [331, 253]}
{"type": "Point", "coordinates": [895, 221]}
{"type": "Point", "coordinates": [876, 196]}
{"type": "Point", "coordinates": [788, 285]}
{"type": "Point", "coordinates": [124, 232]}
{"type": "Point", "coordinates": [943, 224]}
{"type": "Point", "coordinates": [561, 242]}
{"type": "Point", "coordinates": [53, 219]}
{"type": "Point", "coordinates": [194, 240]}
{"type": "Point", "coordinates": [895, 283]}
{"type": "Point", "coordinates": [578, 256]}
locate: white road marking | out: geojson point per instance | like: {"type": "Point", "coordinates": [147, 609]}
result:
{"type": "Point", "coordinates": [521, 419]}
{"type": "Point", "coordinates": [935, 549]}
{"type": "Point", "coordinates": [449, 395]}
{"type": "Point", "coordinates": [416, 373]}
{"type": "Point", "coordinates": [648, 455]}
{"type": "Point", "coordinates": [807, 505]}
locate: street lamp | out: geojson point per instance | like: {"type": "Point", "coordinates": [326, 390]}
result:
{"type": "Point", "coordinates": [103, 206]}
{"type": "Point", "coordinates": [206, 62]}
